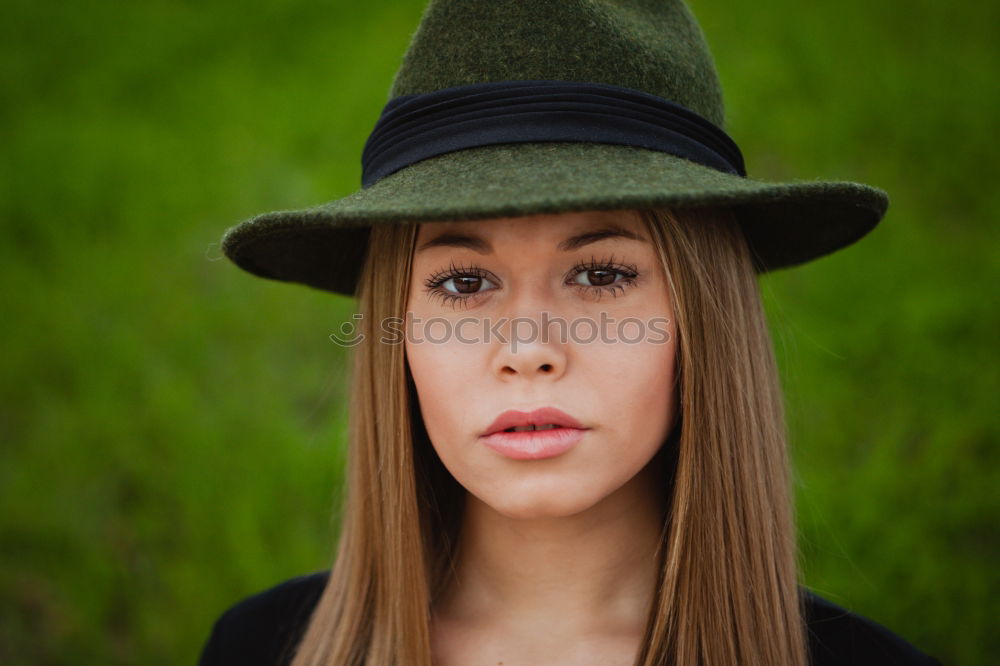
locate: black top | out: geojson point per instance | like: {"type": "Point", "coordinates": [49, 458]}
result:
{"type": "Point", "coordinates": [263, 629]}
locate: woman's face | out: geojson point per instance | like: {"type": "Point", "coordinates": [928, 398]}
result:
{"type": "Point", "coordinates": [481, 295]}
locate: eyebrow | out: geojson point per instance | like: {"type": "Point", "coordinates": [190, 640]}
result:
{"type": "Point", "coordinates": [482, 246]}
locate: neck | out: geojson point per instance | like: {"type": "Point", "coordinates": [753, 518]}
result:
{"type": "Point", "coordinates": [594, 568]}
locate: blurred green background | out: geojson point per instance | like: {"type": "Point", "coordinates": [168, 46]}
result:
{"type": "Point", "coordinates": [172, 428]}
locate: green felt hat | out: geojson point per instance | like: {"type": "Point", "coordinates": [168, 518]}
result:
{"type": "Point", "coordinates": [506, 108]}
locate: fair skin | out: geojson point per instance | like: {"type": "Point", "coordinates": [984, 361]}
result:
{"type": "Point", "coordinates": [556, 561]}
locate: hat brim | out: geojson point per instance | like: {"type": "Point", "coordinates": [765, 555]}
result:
{"type": "Point", "coordinates": [324, 246]}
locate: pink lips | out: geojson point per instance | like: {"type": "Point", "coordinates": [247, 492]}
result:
{"type": "Point", "coordinates": [533, 444]}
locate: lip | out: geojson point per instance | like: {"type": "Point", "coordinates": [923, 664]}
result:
{"type": "Point", "coordinates": [533, 444]}
{"type": "Point", "coordinates": [541, 416]}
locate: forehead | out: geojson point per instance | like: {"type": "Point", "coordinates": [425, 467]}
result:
{"type": "Point", "coordinates": [566, 230]}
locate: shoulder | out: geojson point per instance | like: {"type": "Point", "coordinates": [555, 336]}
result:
{"type": "Point", "coordinates": [839, 637]}
{"type": "Point", "coordinates": [264, 628]}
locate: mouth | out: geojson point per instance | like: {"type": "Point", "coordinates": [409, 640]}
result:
{"type": "Point", "coordinates": [543, 418]}
{"type": "Point", "coordinates": [529, 428]}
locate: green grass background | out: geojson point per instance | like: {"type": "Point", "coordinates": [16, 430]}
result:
{"type": "Point", "coordinates": [171, 429]}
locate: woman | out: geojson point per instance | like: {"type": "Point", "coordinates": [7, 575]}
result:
{"type": "Point", "coordinates": [567, 442]}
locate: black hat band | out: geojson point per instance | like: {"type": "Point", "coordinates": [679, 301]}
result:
{"type": "Point", "coordinates": [415, 127]}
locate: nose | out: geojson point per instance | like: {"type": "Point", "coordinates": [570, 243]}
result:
{"type": "Point", "coordinates": [533, 360]}
{"type": "Point", "coordinates": [530, 345]}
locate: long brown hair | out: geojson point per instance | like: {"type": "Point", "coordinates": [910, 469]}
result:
{"type": "Point", "coordinates": [727, 591]}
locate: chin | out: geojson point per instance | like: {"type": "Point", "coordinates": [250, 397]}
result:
{"type": "Point", "coordinates": [538, 504]}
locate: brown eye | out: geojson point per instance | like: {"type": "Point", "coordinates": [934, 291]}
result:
{"type": "Point", "coordinates": [465, 284]}
{"type": "Point", "coordinates": [597, 277]}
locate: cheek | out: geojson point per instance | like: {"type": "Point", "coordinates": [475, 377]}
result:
{"type": "Point", "coordinates": [439, 371]}
{"type": "Point", "coordinates": [636, 389]}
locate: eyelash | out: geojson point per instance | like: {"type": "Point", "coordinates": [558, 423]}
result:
{"type": "Point", "coordinates": [628, 271]}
